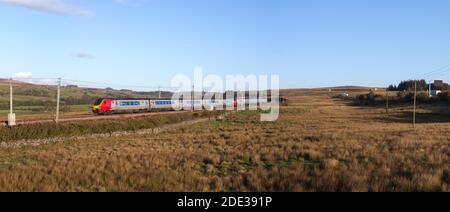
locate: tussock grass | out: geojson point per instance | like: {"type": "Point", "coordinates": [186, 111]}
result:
{"type": "Point", "coordinates": [79, 128]}
{"type": "Point", "coordinates": [318, 144]}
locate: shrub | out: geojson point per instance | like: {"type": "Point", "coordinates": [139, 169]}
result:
{"type": "Point", "coordinates": [423, 97]}
{"type": "Point", "coordinates": [444, 96]}
{"type": "Point", "coordinates": [370, 99]}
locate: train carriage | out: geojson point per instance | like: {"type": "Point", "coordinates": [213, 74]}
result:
{"type": "Point", "coordinates": [109, 106]}
{"type": "Point", "coordinates": [164, 104]}
{"type": "Point", "coordinates": [138, 105]}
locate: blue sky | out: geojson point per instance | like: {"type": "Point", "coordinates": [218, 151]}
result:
{"type": "Point", "coordinates": [309, 43]}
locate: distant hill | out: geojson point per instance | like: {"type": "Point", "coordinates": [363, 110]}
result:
{"type": "Point", "coordinates": [352, 88]}
{"type": "Point", "coordinates": [337, 88]}
{"type": "Point", "coordinates": [27, 94]}
{"type": "Point", "coordinates": [7, 81]}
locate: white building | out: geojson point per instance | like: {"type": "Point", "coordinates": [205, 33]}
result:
{"type": "Point", "coordinates": [434, 88]}
{"type": "Point", "coordinates": [435, 92]}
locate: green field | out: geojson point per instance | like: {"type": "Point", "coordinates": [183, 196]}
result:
{"type": "Point", "coordinates": [42, 95]}
{"type": "Point", "coordinates": [33, 101]}
{"type": "Point", "coordinates": [34, 110]}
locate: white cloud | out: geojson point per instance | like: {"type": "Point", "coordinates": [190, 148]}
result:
{"type": "Point", "coordinates": [83, 55]}
{"type": "Point", "coordinates": [58, 7]}
{"type": "Point", "coordinates": [22, 74]}
{"type": "Point", "coordinates": [130, 2]}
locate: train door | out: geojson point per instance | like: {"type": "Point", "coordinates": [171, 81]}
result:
{"type": "Point", "coordinates": [148, 105]}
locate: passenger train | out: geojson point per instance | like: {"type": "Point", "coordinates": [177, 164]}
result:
{"type": "Point", "coordinates": [110, 106]}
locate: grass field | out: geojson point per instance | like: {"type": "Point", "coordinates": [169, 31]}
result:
{"type": "Point", "coordinates": [30, 113]}
{"type": "Point", "coordinates": [34, 101]}
{"type": "Point", "coordinates": [36, 110]}
{"type": "Point", "coordinates": [50, 130]}
{"type": "Point", "coordinates": [318, 144]}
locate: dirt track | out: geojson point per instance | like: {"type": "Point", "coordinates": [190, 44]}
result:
{"type": "Point", "coordinates": [98, 117]}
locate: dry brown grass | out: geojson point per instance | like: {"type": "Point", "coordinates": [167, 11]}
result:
{"type": "Point", "coordinates": [318, 144]}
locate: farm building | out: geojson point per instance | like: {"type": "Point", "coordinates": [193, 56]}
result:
{"type": "Point", "coordinates": [436, 87]}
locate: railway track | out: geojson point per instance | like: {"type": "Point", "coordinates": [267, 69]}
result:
{"type": "Point", "coordinates": [97, 117]}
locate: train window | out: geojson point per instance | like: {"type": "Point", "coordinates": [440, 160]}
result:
{"type": "Point", "coordinates": [98, 102]}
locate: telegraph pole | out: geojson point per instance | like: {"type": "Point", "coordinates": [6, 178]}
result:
{"type": "Point", "coordinates": [429, 88]}
{"type": "Point", "coordinates": [11, 115]}
{"type": "Point", "coordinates": [10, 97]}
{"type": "Point", "coordinates": [415, 103]}
{"type": "Point", "coordinates": [58, 96]}
{"type": "Point", "coordinates": [387, 101]}
{"type": "Point", "coordinates": [159, 91]}
{"type": "Point", "coordinates": [193, 98]}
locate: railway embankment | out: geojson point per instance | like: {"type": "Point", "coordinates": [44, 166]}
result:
{"type": "Point", "coordinates": [42, 133]}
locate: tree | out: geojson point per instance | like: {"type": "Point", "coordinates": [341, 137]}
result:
{"type": "Point", "coordinates": [392, 88]}
{"type": "Point", "coordinates": [409, 85]}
